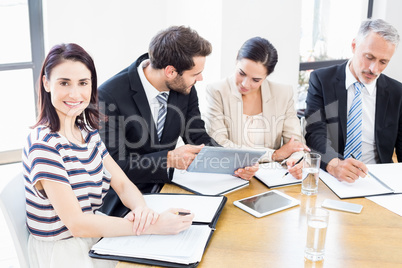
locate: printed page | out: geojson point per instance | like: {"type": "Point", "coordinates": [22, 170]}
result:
{"type": "Point", "coordinates": [390, 174]}
{"type": "Point", "coordinates": [186, 247]}
{"type": "Point", "coordinates": [204, 207]}
{"type": "Point", "coordinates": [207, 183]}
{"type": "Point", "coordinates": [272, 175]}
{"type": "Point", "coordinates": [362, 187]}
{"type": "Point", "coordinates": [391, 202]}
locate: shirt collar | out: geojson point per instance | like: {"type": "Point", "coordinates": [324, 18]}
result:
{"type": "Point", "coordinates": [150, 91]}
{"type": "Point", "coordinates": [350, 80]}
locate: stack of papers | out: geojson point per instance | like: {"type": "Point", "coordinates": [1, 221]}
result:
{"type": "Point", "coordinates": [185, 248]}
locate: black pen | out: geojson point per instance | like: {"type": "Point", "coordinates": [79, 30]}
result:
{"type": "Point", "coordinates": [180, 213]}
{"type": "Point", "coordinates": [298, 161]}
{"type": "Point", "coordinates": [359, 168]}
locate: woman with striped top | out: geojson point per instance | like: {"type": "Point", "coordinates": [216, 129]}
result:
{"type": "Point", "coordinates": [68, 171]}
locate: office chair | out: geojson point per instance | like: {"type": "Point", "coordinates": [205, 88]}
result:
{"type": "Point", "coordinates": [12, 204]}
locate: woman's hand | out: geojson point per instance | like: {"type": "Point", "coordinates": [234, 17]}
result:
{"type": "Point", "coordinates": [247, 173]}
{"type": "Point", "coordinates": [295, 170]}
{"type": "Point", "coordinates": [170, 222]}
{"type": "Point", "coordinates": [142, 217]}
{"type": "Point", "coordinates": [288, 149]}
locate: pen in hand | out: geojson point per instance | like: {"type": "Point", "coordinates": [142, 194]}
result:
{"type": "Point", "coordinates": [180, 213]}
{"type": "Point", "coordinates": [360, 168]}
{"type": "Point", "coordinates": [298, 161]}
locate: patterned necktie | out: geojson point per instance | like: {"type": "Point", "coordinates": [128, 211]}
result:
{"type": "Point", "coordinates": [354, 126]}
{"type": "Point", "coordinates": [162, 98]}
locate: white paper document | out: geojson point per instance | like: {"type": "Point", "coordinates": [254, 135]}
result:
{"type": "Point", "coordinates": [362, 187]}
{"type": "Point", "coordinates": [390, 174]}
{"type": "Point", "coordinates": [204, 207]}
{"type": "Point", "coordinates": [185, 248]}
{"type": "Point", "coordinates": [208, 183]}
{"type": "Point", "coordinates": [272, 175]}
{"type": "Point", "coordinates": [392, 202]}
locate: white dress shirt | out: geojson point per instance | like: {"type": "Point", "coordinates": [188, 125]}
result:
{"type": "Point", "coordinates": [369, 151]}
{"type": "Point", "coordinates": [150, 91]}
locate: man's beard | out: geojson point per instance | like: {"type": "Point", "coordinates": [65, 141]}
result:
{"type": "Point", "coordinates": [179, 86]}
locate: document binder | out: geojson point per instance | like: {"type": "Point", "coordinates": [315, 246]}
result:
{"type": "Point", "coordinates": [207, 207]}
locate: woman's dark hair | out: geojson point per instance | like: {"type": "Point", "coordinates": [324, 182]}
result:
{"type": "Point", "coordinates": [176, 46]}
{"type": "Point", "coordinates": [261, 50]}
{"type": "Point", "coordinates": [89, 118]}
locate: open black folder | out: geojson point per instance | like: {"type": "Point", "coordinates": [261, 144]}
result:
{"type": "Point", "coordinates": [181, 250]}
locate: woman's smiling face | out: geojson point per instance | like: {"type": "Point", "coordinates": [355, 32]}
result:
{"type": "Point", "coordinates": [69, 86]}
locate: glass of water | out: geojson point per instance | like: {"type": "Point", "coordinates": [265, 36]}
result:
{"type": "Point", "coordinates": [317, 222]}
{"type": "Point", "coordinates": [311, 168]}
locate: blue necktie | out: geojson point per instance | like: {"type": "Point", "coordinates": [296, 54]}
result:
{"type": "Point", "coordinates": [354, 126]}
{"type": "Point", "coordinates": [162, 98]}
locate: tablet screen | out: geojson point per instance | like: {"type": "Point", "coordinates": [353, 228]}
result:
{"type": "Point", "coordinates": [223, 160]}
{"type": "Point", "coordinates": [266, 202]}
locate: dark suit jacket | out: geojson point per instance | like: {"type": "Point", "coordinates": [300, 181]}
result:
{"type": "Point", "coordinates": [130, 133]}
{"type": "Point", "coordinates": [326, 115]}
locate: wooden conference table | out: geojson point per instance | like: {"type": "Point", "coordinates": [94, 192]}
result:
{"type": "Point", "coordinates": [372, 238]}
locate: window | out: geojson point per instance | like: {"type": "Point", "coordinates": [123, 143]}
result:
{"type": "Point", "coordinates": [20, 61]}
{"type": "Point", "coordinates": [327, 30]}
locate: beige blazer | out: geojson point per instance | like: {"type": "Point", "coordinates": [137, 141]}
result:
{"type": "Point", "coordinates": [224, 118]}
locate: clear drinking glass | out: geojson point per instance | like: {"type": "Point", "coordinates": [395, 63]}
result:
{"type": "Point", "coordinates": [311, 168]}
{"type": "Point", "coordinates": [317, 222]}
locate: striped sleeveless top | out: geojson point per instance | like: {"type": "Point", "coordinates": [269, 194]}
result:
{"type": "Point", "coordinates": [50, 156]}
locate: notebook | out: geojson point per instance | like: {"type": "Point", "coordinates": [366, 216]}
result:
{"type": "Point", "coordinates": [273, 175]}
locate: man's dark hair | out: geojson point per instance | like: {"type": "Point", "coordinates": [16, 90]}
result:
{"type": "Point", "coordinates": [177, 46]}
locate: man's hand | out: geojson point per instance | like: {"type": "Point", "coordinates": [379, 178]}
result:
{"type": "Point", "coordinates": [182, 156]}
{"type": "Point", "coordinates": [247, 173]}
{"type": "Point", "coordinates": [348, 170]}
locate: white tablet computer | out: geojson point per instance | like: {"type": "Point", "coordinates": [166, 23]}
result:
{"type": "Point", "coordinates": [266, 203]}
{"type": "Point", "coordinates": [223, 160]}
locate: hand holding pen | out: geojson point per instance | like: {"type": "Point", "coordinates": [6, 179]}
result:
{"type": "Point", "coordinates": [297, 162]}
{"type": "Point", "coordinates": [366, 173]}
{"type": "Point", "coordinates": [297, 176]}
{"type": "Point", "coordinates": [348, 170]}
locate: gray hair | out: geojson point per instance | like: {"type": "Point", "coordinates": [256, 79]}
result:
{"type": "Point", "coordinates": [379, 26]}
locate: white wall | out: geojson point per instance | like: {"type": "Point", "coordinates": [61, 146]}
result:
{"type": "Point", "coordinates": [116, 32]}
{"type": "Point", "coordinates": [390, 10]}
{"type": "Point", "coordinates": [277, 21]}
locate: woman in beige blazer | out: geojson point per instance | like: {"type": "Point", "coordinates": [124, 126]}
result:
{"type": "Point", "coordinates": [246, 110]}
